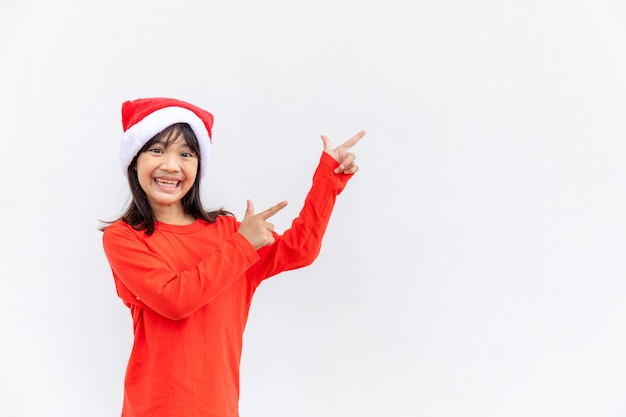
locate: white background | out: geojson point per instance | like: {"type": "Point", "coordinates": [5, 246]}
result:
{"type": "Point", "coordinates": [475, 266]}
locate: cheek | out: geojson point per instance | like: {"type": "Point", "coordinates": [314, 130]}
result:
{"type": "Point", "coordinates": [192, 173]}
{"type": "Point", "coordinates": [143, 174]}
{"type": "Point", "coordinates": [144, 183]}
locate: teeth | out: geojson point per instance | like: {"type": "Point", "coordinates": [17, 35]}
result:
{"type": "Point", "coordinates": [167, 183]}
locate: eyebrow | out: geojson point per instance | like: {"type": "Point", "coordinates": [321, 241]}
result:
{"type": "Point", "coordinates": [162, 143]}
{"type": "Point", "coordinates": [184, 145]}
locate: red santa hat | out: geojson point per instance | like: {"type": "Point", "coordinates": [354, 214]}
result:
{"type": "Point", "coordinates": [144, 118]}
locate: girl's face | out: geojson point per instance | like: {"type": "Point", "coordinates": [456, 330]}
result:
{"type": "Point", "coordinates": [166, 174]}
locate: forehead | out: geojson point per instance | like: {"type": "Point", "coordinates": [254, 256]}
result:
{"type": "Point", "coordinates": [175, 138]}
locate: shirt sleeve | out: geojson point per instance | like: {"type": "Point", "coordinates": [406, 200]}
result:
{"type": "Point", "coordinates": [149, 282]}
{"type": "Point", "coordinates": [301, 243]}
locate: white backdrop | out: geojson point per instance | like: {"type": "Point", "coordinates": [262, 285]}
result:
{"type": "Point", "coordinates": [474, 266]}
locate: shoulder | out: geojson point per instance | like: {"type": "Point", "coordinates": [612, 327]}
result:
{"type": "Point", "coordinates": [226, 219]}
{"type": "Point", "coordinates": [117, 227]}
{"type": "Point", "coordinates": [222, 223]}
{"type": "Point", "coordinates": [120, 230]}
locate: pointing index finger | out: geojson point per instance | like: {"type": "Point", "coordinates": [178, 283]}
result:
{"type": "Point", "coordinates": [353, 140]}
{"type": "Point", "coordinates": [266, 214]}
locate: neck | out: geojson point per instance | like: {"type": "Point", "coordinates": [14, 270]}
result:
{"type": "Point", "coordinates": [173, 214]}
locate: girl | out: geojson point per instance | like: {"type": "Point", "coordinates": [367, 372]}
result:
{"type": "Point", "coordinates": [188, 275]}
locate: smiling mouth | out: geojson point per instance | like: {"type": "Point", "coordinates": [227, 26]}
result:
{"type": "Point", "coordinates": [166, 183]}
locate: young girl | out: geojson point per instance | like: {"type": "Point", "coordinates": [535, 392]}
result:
{"type": "Point", "coordinates": [188, 275]}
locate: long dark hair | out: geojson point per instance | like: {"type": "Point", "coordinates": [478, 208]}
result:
{"type": "Point", "coordinates": [139, 215]}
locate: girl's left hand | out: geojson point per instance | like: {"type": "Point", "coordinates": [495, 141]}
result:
{"type": "Point", "coordinates": [342, 155]}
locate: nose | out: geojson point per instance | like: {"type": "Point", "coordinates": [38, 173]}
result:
{"type": "Point", "coordinates": [169, 162]}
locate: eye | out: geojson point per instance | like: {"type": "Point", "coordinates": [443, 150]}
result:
{"type": "Point", "coordinates": [187, 155]}
{"type": "Point", "coordinates": [155, 150]}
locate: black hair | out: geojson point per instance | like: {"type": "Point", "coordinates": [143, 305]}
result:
{"type": "Point", "coordinates": [139, 214]}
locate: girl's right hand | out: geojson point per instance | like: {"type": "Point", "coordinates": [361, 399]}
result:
{"type": "Point", "coordinates": [255, 228]}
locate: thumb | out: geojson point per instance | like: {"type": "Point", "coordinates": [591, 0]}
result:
{"type": "Point", "coordinates": [249, 209]}
{"type": "Point", "coordinates": [327, 145]}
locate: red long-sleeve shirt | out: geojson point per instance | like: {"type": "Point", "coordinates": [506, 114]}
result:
{"type": "Point", "coordinates": [189, 290]}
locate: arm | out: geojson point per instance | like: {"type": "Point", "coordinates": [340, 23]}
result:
{"type": "Point", "coordinates": [174, 294]}
{"type": "Point", "coordinates": [301, 243]}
